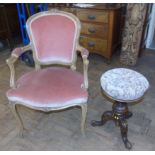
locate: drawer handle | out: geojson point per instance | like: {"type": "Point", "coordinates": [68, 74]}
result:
{"type": "Point", "coordinates": [91, 17]}
{"type": "Point", "coordinates": [91, 44]}
{"type": "Point", "coordinates": [92, 29]}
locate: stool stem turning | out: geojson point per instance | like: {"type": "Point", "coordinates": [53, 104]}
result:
{"type": "Point", "coordinates": [119, 114]}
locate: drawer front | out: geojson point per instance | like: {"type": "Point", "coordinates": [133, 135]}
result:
{"type": "Point", "coordinates": [94, 45]}
{"type": "Point", "coordinates": [95, 30]}
{"type": "Point", "coordinates": [92, 16]}
{"type": "Point", "coordinates": [70, 10]}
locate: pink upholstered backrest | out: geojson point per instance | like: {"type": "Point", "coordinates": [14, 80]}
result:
{"type": "Point", "coordinates": [54, 37]}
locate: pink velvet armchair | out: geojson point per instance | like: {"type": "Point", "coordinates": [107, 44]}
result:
{"type": "Point", "coordinates": [54, 40]}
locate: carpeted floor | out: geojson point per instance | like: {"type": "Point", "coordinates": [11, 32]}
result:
{"type": "Point", "coordinates": [61, 130]}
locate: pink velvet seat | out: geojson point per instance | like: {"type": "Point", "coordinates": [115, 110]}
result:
{"type": "Point", "coordinates": [50, 87]}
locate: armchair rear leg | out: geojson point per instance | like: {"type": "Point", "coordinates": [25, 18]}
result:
{"type": "Point", "coordinates": [18, 118]}
{"type": "Point", "coordinates": [83, 118]}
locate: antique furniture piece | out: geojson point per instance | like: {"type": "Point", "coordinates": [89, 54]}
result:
{"type": "Point", "coordinates": [54, 39]}
{"type": "Point", "coordinates": [123, 86]}
{"type": "Point", "coordinates": [100, 26]}
{"type": "Point", "coordinates": [5, 33]}
{"type": "Point", "coordinates": [133, 33]}
{"type": "Point", "coordinates": [9, 25]}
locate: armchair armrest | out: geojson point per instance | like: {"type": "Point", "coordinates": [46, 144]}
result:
{"type": "Point", "coordinates": [20, 50]}
{"type": "Point", "coordinates": [12, 59]}
{"type": "Point", "coordinates": [84, 53]}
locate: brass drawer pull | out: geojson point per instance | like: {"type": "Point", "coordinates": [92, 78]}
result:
{"type": "Point", "coordinates": [91, 17]}
{"type": "Point", "coordinates": [91, 44]}
{"type": "Point", "coordinates": [92, 29]}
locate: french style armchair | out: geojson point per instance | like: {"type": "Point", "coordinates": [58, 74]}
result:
{"type": "Point", "coordinates": [54, 40]}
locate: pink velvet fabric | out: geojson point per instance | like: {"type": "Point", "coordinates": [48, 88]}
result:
{"type": "Point", "coordinates": [54, 38]}
{"type": "Point", "coordinates": [84, 52]}
{"type": "Point", "coordinates": [50, 87]}
{"type": "Point", "coordinates": [17, 52]}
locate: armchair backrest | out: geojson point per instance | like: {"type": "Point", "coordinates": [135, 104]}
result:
{"type": "Point", "coordinates": [54, 36]}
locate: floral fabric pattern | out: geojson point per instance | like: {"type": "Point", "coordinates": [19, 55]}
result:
{"type": "Point", "coordinates": [124, 84]}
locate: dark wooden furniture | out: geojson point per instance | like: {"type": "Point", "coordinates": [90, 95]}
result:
{"type": "Point", "coordinates": [100, 27]}
{"type": "Point", "coordinates": [119, 114]}
{"type": "Point", "coordinates": [4, 25]}
{"type": "Point", "coordinates": [9, 23]}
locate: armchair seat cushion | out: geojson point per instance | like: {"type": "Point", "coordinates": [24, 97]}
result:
{"type": "Point", "coordinates": [50, 87]}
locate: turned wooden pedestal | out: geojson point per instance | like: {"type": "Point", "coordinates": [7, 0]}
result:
{"type": "Point", "coordinates": [119, 115]}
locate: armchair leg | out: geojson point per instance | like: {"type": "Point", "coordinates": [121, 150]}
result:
{"type": "Point", "coordinates": [18, 118]}
{"type": "Point", "coordinates": [83, 118]}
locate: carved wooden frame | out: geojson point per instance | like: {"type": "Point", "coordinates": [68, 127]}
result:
{"type": "Point", "coordinates": [84, 53]}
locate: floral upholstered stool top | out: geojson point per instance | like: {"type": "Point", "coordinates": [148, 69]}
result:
{"type": "Point", "coordinates": [123, 86]}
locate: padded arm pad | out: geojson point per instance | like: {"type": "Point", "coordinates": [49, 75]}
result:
{"type": "Point", "coordinates": [17, 52]}
{"type": "Point", "coordinates": [84, 52]}
{"type": "Point", "coordinates": [20, 50]}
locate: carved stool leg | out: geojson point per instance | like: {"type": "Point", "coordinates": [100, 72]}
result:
{"type": "Point", "coordinates": [124, 130]}
{"type": "Point", "coordinates": [83, 118]}
{"type": "Point", "coordinates": [128, 115]}
{"type": "Point", "coordinates": [18, 119]}
{"type": "Point", "coordinates": [108, 115]}
{"type": "Point", "coordinates": [119, 114]}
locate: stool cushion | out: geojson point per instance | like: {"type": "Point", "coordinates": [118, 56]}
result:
{"type": "Point", "coordinates": [123, 84]}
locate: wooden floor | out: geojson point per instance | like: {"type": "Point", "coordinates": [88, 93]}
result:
{"type": "Point", "coordinates": [61, 130]}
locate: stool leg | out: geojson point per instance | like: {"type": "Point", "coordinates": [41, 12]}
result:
{"type": "Point", "coordinates": [108, 115]}
{"type": "Point", "coordinates": [128, 115]}
{"type": "Point", "coordinates": [124, 130]}
{"type": "Point", "coordinates": [119, 114]}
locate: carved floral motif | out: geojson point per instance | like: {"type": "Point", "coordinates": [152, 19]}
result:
{"type": "Point", "coordinates": [132, 34]}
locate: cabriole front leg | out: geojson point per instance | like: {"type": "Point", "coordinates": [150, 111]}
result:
{"type": "Point", "coordinates": [83, 118]}
{"type": "Point", "coordinates": [18, 118]}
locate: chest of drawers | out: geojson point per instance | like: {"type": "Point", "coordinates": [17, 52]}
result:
{"type": "Point", "coordinates": [100, 28]}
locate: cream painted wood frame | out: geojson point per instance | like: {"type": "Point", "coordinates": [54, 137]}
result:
{"type": "Point", "coordinates": [10, 61]}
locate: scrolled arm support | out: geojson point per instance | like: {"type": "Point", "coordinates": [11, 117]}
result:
{"type": "Point", "coordinates": [85, 68]}
{"type": "Point", "coordinates": [20, 50]}
{"type": "Point", "coordinates": [10, 61]}
{"type": "Point", "coordinates": [84, 53]}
